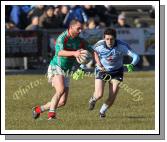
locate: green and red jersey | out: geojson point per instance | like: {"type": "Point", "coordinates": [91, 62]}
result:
{"type": "Point", "coordinates": [66, 42]}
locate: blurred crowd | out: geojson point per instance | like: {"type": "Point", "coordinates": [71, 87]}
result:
{"type": "Point", "coordinates": [35, 17]}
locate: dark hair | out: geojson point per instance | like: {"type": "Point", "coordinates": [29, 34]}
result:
{"type": "Point", "coordinates": [110, 31]}
{"type": "Point", "coordinates": [74, 21]}
{"type": "Point", "coordinates": [49, 7]}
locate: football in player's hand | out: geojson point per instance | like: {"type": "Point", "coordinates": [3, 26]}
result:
{"type": "Point", "coordinates": [84, 58]}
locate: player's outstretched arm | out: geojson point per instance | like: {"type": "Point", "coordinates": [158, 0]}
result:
{"type": "Point", "coordinates": [135, 60]}
{"type": "Point", "coordinates": [66, 53]}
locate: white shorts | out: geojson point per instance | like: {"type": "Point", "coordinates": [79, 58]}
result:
{"type": "Point", "coordinates": [56, 70]}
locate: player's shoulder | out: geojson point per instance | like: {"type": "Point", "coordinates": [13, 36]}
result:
{"type": "Point", "coordinates": [99, 43]}
{"type": "Point", "coordinates": [62, 36]}
{"type": "Point", "coordinates": [122, 44]}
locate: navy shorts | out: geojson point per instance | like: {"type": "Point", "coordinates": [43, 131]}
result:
{"type": "Point", "coordinates": [107, 76]}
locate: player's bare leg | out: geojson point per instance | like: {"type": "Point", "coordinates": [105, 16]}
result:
{"type": "Point", "coordinates": [39, 109]}
{"type": "Point", "coordinates": [113, 91]}
{"type": "Point", "coordinates": [98, 93]}
{"type": "Point", "coordinates": [61, 103]}
{"type": "Point", "coordinates": [63, 99]}
{"type": "Point", "coordinates": [58, 84]}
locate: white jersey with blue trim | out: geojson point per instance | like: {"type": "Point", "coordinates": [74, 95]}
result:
{"type": "Point", "coordinates": [112, 58]}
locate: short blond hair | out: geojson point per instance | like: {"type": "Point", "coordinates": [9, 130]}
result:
{"type": "Point", "coordinates": [74, 21]}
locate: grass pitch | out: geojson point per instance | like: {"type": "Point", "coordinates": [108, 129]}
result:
{"type": "Point", "coordinates": [130, 111]}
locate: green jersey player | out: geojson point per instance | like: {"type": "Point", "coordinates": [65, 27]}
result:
{"type": "Point", "coordinates": [68, 46]}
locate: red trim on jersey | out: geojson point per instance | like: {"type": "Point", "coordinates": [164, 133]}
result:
{"type": "Point", "coordinates": [66, 40]}
{"type": "Point", "coordinates": [82, 45]}
{"type": "Point", "coordinates": [69, 49]}
{"type": "Point", "coordinates": [70, 57]}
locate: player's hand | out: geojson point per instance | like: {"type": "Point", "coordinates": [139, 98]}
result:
{"type": "Point", "coordinates": [79, 74]}
{"type": "Point", "coordinates": [101, 68]}
{"type": "Point", "coordinates": [77, 53]}
{"type": "Point", "coordinates": [130, 67]}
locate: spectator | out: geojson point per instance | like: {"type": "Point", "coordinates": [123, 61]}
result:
{"type": "Point", "coordinates": [111, 15]}
{"type": "Point", "coordinates": [76, 12]}
{"type": "Point", "coordinates": [92, 23]}
{"type": "Point", "coordinates": [105, 15]}
{"type": "Point", "coordinates": [56, 10]}
{"type": "Point", "coordinates": [85, 26]}
{"type": "Point", "coordinates": [101, 13]}
{"type": "Point", "coordinates": [64, 9]}
{"type": "Point", "coordinates": [34, 24]}
{"type": "Point", "coordinates": [48, 20]}
{"type": "Point", "coordinates": [122, 22]}
{"type": "Point", "coordinates": [93, 16]}
{"type": "Point", "coordinates": [37, 10]}
{"type": "Point", "coordinates": [60, 13]}
{"type": "Point", "coordinates": [19, 15]}
{"type": "Point", "coordinates": [89, 10]}
{"type": "Point", "coordinates": [11, 26]}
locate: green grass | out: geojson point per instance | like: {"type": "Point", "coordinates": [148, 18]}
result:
{"type": "Point", "coordinates": [125, 114]}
